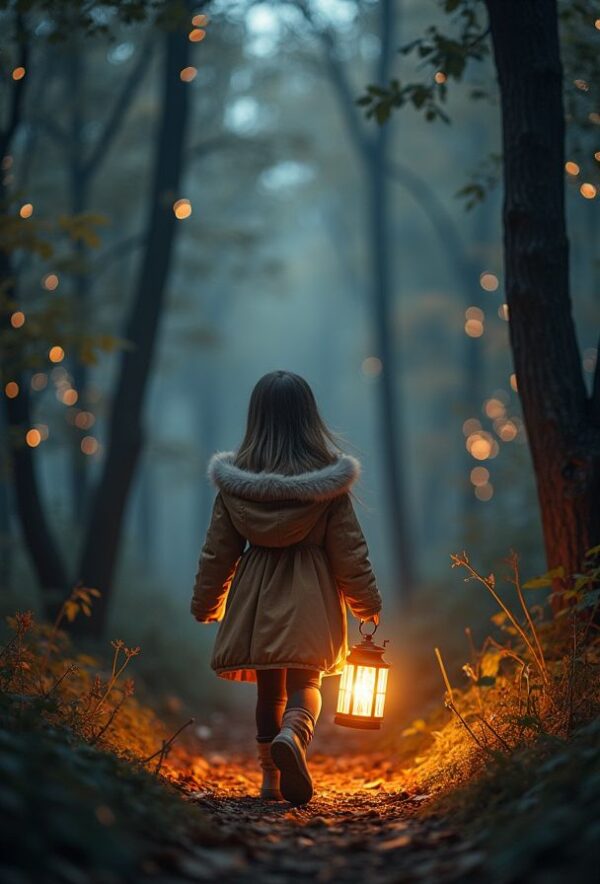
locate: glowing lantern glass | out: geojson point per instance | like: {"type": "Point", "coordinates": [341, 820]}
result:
{"type": "Point", "coordinates": [363, 684]}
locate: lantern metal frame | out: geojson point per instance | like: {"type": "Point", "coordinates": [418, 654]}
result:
{"type": "Point", "coordinates": [365, 654]}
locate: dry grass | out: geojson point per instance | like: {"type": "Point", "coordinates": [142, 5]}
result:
{"type": "Point", "coordinates": [535, 679]}
{"type": "Point", "coordinates": [45, 682]}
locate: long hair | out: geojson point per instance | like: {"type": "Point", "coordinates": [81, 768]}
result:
{"type": "Point", "coordinates": [285, 432]}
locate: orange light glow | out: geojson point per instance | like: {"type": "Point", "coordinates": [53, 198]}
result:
{"type": "Point", "coordinates": [440, 77]}
{"type": "Point", "coordinates": [484, 492]}
{"type": "Point", "coordinates": [494, 408]}
{"type": "Point", "coordinates": [479, 476]}
{"type": "Point", "coordinates": [513, 383]}
{"type": "Point", "coordinates": [17, 319]}
{"type": "Point", "coordinates": [489, 281]}
{"type": "Point", "coordinates": [84, 420]}
{"type": "Point", "coordinates": [12, 390]}
{"type": "Point", "coordinates": [33, 437]}
{"type": "Point", "coordinates": [70, 396]}
{"type": "Point", "coordinates": [18, 73]}
{"type": "Point", "coordinates": [481, 446]}
{"type": "Point", "coordinates": [597, 156]}
{"type": "Point", "coordinates": [503, 312]}
{"type": "Point", "coordinates": [182, 209]}
{"type": "Point", "coordinates": [197, 35]}
{"type": "Point", "coordinates": [89, 445]}
{"type": "Point", "coordinates": [26, 210]}
{"type": "Point", "coordinates": [588, 191]}
{"type": "Point", "coordinates": [186, 75]}
{"type": "Point", "coordinates": [50, 282]}
{"type": "Point", "coordinates": [200, 20]}
{"type": "Point", "coordinates": [56, 354]}
{"type": "Point", "coordinates": [474, 328]}
{"type": "Point", "coordinates": [571, 168]}
{"type": "Point", "coordinates": [507, 431]}
{"type": "Point", "coordinates": [471, 425]}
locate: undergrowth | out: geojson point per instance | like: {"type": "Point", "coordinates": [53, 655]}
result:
{"type": "Point", "coordinates": [534, 681]}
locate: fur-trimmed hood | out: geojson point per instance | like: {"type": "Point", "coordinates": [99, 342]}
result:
{"type": "Point", "coordinates": [317, 485]}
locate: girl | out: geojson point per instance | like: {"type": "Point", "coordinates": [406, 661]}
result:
{"type": "Point", "coordinates": [283, 555]}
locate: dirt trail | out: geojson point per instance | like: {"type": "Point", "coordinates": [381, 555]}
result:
{"type": "Point", "coordinates": [361, 826]}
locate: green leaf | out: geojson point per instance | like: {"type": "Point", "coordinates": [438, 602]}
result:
{"type": "Point", "coordinates": [545, 579]}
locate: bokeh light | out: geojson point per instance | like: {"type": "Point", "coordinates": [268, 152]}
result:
{"type": "Point", "coordinates": [182, 209]}
{"type": "Point", "coordinates": [33, 437]}
{"type": "Point", "coordinates": [17, 319]}
{"type": "Point", "coordinates": [89, 445]}
{"type": "Point", "coordinates": [11, 390]}
{"type": "Point", "coordinates": [371, 366]}
{"type": "Point", "coordinates": [56, 354]}
{"type": "Point", "coordinates": [489, 281]}
{"type": "Point", "coordinates": [26, 210]}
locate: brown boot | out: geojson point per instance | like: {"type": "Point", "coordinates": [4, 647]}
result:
{"type": "Point", "coordinates": [288, 751]}
{"type": "Point", "coordinates": [269, 789]}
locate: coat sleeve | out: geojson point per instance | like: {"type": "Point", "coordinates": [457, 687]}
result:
{"type": "Point", "coordinates": [218, 562]}
{"type": "Point", "coordinates": [348, 557]}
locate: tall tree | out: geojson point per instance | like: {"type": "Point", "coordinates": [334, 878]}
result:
{"type": "Point", "coordinates": [125, 437]}
{"type": "Point", "coordinates": [563, 423]}
{"type": "Point", "coordinates": [372, 151]}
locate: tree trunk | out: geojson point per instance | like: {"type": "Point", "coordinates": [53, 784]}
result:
{"type": "Point", "coordinates": [391, 437]}
{"type": "Point", "coordinates": [562, 424]}
{"type": "Point", "coordinates": [125, 438]}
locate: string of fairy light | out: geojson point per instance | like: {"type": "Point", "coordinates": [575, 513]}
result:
{"type": "Point", "coordinates": [56, 374]}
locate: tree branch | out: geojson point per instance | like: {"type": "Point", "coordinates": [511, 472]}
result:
{"type": "Point", "coordinates": [340, 81]}
{"type": "Point", "coordinates": [438, 216]}
{"type": "Point", "coordinates": [120, 107]}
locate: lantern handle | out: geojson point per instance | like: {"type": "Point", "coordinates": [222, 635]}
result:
{"type": "Point", "coordinates": [367, 634]}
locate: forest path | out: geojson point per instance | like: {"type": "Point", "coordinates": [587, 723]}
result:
{"type": "Point", "coordinates": [361, 825]}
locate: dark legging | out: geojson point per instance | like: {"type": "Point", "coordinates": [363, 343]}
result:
{"type": "Point", "coordinates": [281, 689]}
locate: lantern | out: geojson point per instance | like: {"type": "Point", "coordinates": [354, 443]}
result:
{"type": "Point", "coordinates": [361, 697]}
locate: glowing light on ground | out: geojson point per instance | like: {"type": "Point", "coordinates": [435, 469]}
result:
{"type": "Point", "coordinates": [17, 319]}
{"type": "Point", "coordinates": [182, 209]}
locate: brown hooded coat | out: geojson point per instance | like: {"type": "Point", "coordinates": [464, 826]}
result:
{"type": "Point", "coordinates": [283, 557]}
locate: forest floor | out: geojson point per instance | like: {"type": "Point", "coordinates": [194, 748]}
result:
{"type": "Point", "coordinates": [360, 819]}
